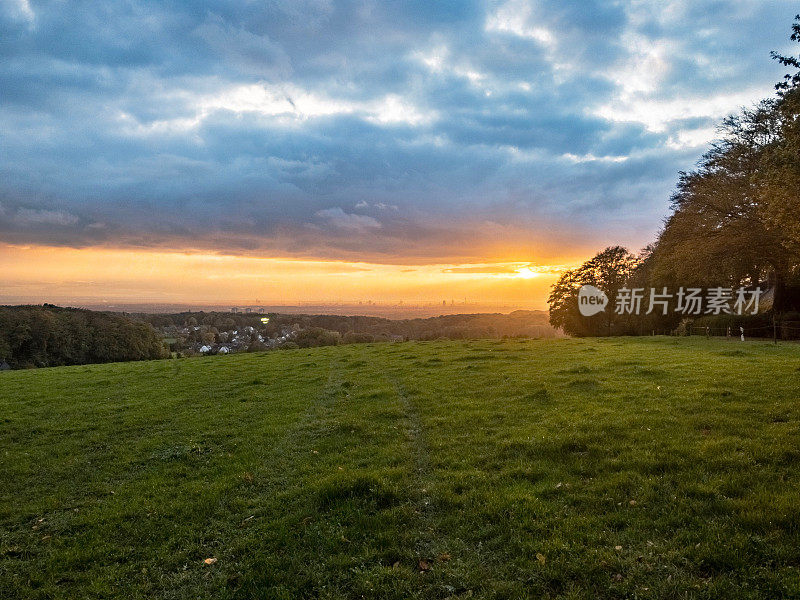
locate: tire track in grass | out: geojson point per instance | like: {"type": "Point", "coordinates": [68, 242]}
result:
{"type": "Point", "coordinates": [432, 545]}
{"type": "Point", "coordinates": [288, 500]}
{"type": "Point", "coordinates": [268, 497]}
{"type": "Point", "coordinates": [454, 566]}
{"type": "Point", "coordinates": [421, 469]}
{"type": "Point", "coordinates": [294, 444]}
{"type": "Point", "coordinates": [281, 456]}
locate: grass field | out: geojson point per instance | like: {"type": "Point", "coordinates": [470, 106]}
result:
{"type": "Point", "coordinates": [630, 468]}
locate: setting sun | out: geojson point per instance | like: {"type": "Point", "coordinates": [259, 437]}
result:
{"type": "Point", "coordinates": [527, 273]}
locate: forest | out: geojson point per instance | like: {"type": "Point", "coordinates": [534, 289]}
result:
{"type": "Point", "coordinates": [51, 336]}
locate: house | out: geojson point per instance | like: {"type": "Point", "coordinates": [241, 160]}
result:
{"type": "Point", "coordinates": [4, 366]}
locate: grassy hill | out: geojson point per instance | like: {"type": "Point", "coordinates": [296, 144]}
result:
{"type": "Point", "coordinates": [648, 468]}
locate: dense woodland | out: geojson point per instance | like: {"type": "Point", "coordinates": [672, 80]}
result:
{"type": "Point", "coordinates": [735, 223]}
{"type": "Point", "coordinates": [49, 336]}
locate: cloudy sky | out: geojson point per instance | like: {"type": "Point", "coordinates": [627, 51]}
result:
{"type": "Point", "coordinates": [450, 140]}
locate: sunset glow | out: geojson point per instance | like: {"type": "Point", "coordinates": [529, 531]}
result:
{"type": "Point", "coordinates": [95, 275]}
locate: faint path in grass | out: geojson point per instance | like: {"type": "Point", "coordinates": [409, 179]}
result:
{"type": "Point", "coordinates": [422, 474]}
{"type": "Point", "coordinates": [316, 413]}
{"type": "Point", "coordinates": [280, 462]}
{"type": "Point", "coordinates": [256, 515]}
{"type": "Point", "coordinates": [445, 558]}
{"type": "Point", "coordinates": [325, 493]}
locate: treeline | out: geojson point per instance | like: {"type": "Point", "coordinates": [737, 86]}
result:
{"type": "Point", "coordinates": [223, 321]}
{"type": "Point", "coordinates": [735, 224]}
{"type": "Point", "coordinates": [318, 330]}
{"type": "Point", "coordinates": [50, 336]}
{"type": "Point", "coordinates": [521, 323]}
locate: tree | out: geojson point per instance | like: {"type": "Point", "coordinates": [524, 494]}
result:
{"type": "Point", "coordinates": [780, 192]}
{"type": "Point", "coordinates": [736, 218]}
{"type": "Point", "coordinates": [609, 271]}
{"type": "Point", "coordinates": [791, 81]}
{"type": "Point", "coordinates": [718, 233]}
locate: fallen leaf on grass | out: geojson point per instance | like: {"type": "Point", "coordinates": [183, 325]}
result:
{"type": "Point", "coordinates": [444, 557]}
{"type": "Point", "coordinates": [423, 565]}
{"type": "Point", "coordinates": [617, 547]}
{"type": "Point", "coordinates": [541, 558]}
{"type": "Point", "coordinates": [210, 561]}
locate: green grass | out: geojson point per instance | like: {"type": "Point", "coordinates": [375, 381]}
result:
{"type": "Point", "coordinates": [620, 468]}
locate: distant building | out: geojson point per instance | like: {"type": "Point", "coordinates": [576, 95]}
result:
{"type": "Point", "coordinates": [4, 366]}
{"type": "Point", "coordinates": [235, 309]}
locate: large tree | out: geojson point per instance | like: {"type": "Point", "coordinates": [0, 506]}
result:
{"type": "Point", "coordinates": [736, 218]}
{"type": "Point", "coordinates": [719, 232]}
{"type": "Point", "coordinates": [780, 190]}
{"type": "Point", "coordinates": [609, 271]}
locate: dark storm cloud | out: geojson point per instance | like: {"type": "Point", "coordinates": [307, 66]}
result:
{"type": "Point", "coordinates": [381, 130]}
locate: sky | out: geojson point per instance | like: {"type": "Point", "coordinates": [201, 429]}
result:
{"type": "Point", "coordinates": [317, 150]}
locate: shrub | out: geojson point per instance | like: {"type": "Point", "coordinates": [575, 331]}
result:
{"type": "Point", "coordinates": [354, 337]}
{"type": "Point", "coordinates": [317, 336]}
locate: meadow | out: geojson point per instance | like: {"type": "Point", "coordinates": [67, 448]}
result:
{"type": "Point", "coordinates": [571, 468]}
